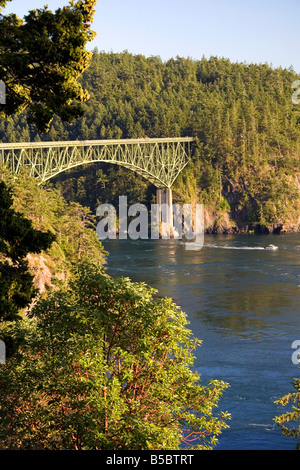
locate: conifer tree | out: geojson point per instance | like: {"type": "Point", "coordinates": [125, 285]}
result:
{"type": "Point", "coordinates": [42, 57]}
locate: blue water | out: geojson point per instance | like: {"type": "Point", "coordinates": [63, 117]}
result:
{"type": "Point", "coordinates": [243, 302]}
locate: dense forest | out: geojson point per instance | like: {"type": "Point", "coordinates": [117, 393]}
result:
{"type": "Point", "coordinates": [246, 161]}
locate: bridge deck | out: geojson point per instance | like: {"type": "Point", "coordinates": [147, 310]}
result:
{"type": "Point", "coordinates": [85, 143]}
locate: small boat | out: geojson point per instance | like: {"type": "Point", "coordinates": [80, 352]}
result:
{"type": "Point", "coordinates": [271, 247]}
{"type": "Point", "coordinates": [193, 246]}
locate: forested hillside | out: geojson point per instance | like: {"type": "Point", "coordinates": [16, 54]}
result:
{"type": "Point", "coordinates": [246, 164]}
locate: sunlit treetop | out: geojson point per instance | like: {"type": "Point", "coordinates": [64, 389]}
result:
{"type": "Point", "coordinates": [3, 3]}
{"type": "Point", "coordinates": [42, 57]}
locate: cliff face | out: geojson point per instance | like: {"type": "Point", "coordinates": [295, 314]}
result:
{"type": "Point", "coordinates": [42, 268]}
{"type": "Point", "coordinates": [257, 203]}
{"type": "Point", "coordinates": [218, 223]}
{"type": "Point", "coordinates": [41, 272]}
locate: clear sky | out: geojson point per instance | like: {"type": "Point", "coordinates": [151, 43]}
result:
{"type": "Point", "coordinates": [242, 30]}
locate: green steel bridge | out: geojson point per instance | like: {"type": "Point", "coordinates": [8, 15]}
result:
{"type": "Point", "coordinates": [158, 160]}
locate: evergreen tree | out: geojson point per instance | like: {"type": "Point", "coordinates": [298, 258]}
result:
{"type": "Point", "coordinates": [293, 415]}
{"type": "Point", "coordinates": [42, 58]}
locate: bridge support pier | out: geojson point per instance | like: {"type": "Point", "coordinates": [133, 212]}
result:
{"type": "Point", "coordinates": [165, 211]}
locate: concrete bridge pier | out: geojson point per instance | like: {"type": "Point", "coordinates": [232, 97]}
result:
{"type": "Point", "coordinates": [165, 212]}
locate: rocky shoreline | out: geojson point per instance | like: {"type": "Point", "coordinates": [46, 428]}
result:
{"type": "Point", "coordinates": [224, 224]}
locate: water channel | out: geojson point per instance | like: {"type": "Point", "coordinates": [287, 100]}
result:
{"type": "Point", "coordinates": [243, 302]}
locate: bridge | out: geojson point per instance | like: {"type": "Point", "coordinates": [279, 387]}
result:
{"type": "Point", "coordinates": [158, 160]}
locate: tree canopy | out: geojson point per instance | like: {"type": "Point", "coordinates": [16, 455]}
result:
{"type": "Point", "coordinates": [42, 57]}
{"type": "Point", "coordinates": [106, 366]}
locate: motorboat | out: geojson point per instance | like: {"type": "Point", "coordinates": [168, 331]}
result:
{"type": "Point", "coordinates": [193, 246]}
{"type": "Point", "coordinates": [271, 247]}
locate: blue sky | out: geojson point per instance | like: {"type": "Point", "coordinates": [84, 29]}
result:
{"type": "Point", "coordinates": [241, 30]}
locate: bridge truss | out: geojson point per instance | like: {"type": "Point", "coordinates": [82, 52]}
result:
{"type": "Point", "coordinates": [158, 160]}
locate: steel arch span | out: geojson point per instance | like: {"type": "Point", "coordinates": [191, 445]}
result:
{"type": "Point", "coordinates": [158, 160]}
